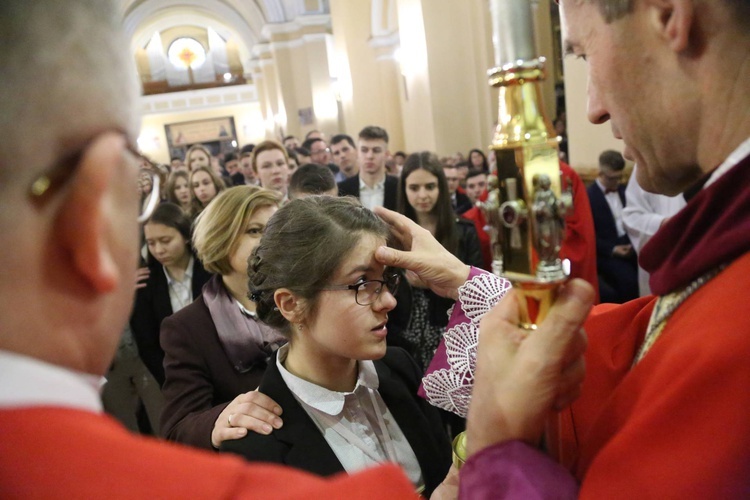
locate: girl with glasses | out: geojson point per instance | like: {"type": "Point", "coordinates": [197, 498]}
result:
{"type": "Point", "coordinates": [349, 401]}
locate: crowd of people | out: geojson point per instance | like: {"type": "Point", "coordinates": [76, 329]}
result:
{"type": "Point", "coordinates": [289, 298]}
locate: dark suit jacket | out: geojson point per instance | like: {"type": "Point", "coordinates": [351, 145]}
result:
{"type": "Point", "coordinates": [350, 187]}
{"type": "Point", "coordinates": [618, 277]}
{"type": "Point", "coordinates": [300, 444]}
{"type": "Point", "coordinates": [604, 221]}
{"type": "Point", "coordinates": [152, 305]}
{"type": "Point", "coordinates": [462, 203]}
{"type": "Point", "coordinates": [200, 378]}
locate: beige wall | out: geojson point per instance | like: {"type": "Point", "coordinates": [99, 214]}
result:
{"type": "Point", "coordinates": [447, 104]}
{"type": "Point", "coordinates": [585, 140]}
{"type": "Point", "coordinates": [368, 75]}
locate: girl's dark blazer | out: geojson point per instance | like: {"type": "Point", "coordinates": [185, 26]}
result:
{"type": "Point", "coordinates": [152, 305]}
{"type": "Point", "coordinates": [300, 444]}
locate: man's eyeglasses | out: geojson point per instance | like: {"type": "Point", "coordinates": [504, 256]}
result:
{"type": "Point", "coordinates": [44, 186]}
{"type": "Point", "coordinates": [320, 151]}
{"type": "Point", "coordinates": [367, 292]}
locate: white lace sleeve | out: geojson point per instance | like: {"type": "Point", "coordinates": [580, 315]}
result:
{"type": "Point", "coordinates": [450, 388]}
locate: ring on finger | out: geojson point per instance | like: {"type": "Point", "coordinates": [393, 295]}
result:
{"type": "Point", "coordinates": [229, 419]}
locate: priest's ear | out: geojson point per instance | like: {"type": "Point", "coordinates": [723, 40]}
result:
{"type": "Point", "coordinates": [83, 225]}
{"type": "Point", "coordinates": [674, 20]}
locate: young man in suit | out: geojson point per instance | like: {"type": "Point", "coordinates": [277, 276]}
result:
{"type": "Point", "coordinates": [344, 154]}
{"type": "Point", "coordinates": [615, 258]}
{"type": "Point", "coordinates": [372, 185]}
{"type": "Point", "coordinates": [459, 201]}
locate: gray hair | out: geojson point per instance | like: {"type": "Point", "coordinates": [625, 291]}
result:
{"type": "Point", "coordinates": [613, 10]}
{"type": "Point", "coordinates": [67, 74]}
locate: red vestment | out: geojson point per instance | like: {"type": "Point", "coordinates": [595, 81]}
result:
{"type": "Point", "coordinates": [48, 452]}
{"type": "Point", "coordinates": [675, 425]}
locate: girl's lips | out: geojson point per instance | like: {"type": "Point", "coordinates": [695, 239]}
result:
{"type": "Point", "coordinates": [380, 331]}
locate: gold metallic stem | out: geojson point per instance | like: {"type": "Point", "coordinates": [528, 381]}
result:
{"type": "Point", "coordinates": [459, 450]}
{"type": "Point", "coordinates": [536, 301]}
{"type": "Point", "coordinates": [521, 120]}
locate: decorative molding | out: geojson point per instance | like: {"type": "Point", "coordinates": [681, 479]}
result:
{"type": "Point", "coordinates": [319, 20]}
{"type": "Point", "coordinates": [287, 44]}
{"type": "Point", "coordinates": [196, 99]}
{"type": "Point", "coordinates": [390, 40]}
{"type": "Point", "coordinates": [315, 37]}
{"type": "Point", "coordinates": [323, 20]}
{"type": "Point", "coordinates": [261, 50]}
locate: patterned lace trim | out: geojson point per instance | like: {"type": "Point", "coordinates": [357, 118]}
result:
{"type": "Point", "coordinates": [450, 389]}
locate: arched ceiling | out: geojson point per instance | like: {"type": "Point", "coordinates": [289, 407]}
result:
{"type": "Point", "coordinates": [238, 20]}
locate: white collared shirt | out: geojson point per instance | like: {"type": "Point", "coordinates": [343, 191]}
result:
{"type": "Point", "coordinates": [615, 204]}
{"type": "Point", "coordinates": [180, 292]}
{"type": "Point", "coordinates": [27, 382]}
{"type": "Point", "coordinates": [356, 412]}
{"type": "Point", "coordinates": [372, 197]}
{"type": "Point", "coordinates": [739, 154]}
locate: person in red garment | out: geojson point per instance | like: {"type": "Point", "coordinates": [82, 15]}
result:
{"type": "Point", "coordinates": [579, 244]}
{"type": "Point", "coordinates": [665, 404]}
{"type": "Point", "coordinates": [69, 216]}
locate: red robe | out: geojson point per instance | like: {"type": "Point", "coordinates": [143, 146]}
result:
{"type": "Point", "coordinates": [579, 245]}
{"type": "Point", "coordinates": [64, 453]}
{"type": "Point", "coordinates": [675, 425]}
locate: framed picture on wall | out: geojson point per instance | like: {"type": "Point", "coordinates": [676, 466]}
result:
{"type": "Point", "coordinates": [200, 131]}
{"type": "Point", "coordinates": [219, 134]}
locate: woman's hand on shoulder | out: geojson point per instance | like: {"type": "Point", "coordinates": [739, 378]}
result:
{"type": "Point", "coordinates": [252, 411]}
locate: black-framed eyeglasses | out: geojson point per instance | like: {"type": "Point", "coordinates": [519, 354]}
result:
{"type": "Point", "coordinates": [47, 184]}
{"type": "Point", "coordinates": [367, 291]}
{"type": "Point", "coordinates": [320, 151]}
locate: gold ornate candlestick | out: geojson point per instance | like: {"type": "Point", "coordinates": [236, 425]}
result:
{"type": "Point", "coordinates": [526, 206]}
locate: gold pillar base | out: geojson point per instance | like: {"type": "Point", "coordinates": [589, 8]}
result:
{"type": "Point", "coordinates": [459, 450]}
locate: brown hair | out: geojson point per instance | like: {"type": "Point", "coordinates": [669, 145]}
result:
{"type": "Point", "coordinates": [219, 226]}
{"type": "Point", "coordinates": [218, 184]}
{"type": "Point", "coordinates": [172, 184]}
{"type": "Point", "coordinates": [267, 146]}
{"type": "Point", "coordinates": [196, 147]}
{"type": "Point", "coordinates": [303, 245]}
{"type": "Point", "coordinates": [373, 132]}
{"type": "Point", "coordinates": [445, 232]}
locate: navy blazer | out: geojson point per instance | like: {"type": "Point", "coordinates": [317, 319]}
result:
{"type": "Point", "coordinates": [604, 221]}
{"type": "Point", "coordinates": [300, 444]}
{"type": "Point", "coordinates": [152, 305]}
{"type": "Point", "coordinates": [350, 187]}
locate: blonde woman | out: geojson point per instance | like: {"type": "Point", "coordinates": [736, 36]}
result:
{"type": "Point", "coordinates": [215, 350]}
{"type": "Point", "coordinates": [197, 156]}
